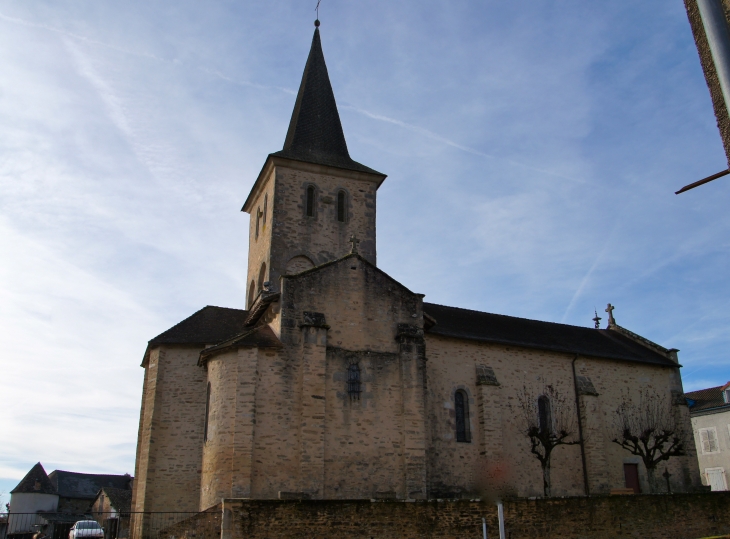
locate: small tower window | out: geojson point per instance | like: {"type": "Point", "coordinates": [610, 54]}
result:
{"type": "Point", "coordinates": [207, 413]}
{"type": "Point", "coordinates": [310, 201]}
{"type": "Point", "coordinates": [258, 221]}
{"type": "Point", "coordinates": [544, 415]}
{"type": "Point", "coordinates": [461, 409]}
{"type": "Point", "coordinates": [341, 206]}
{"type": "Point", "coordinates": [353, 381]}
{"type": "Point", "coordinates": [266, 206]}
{"type": "Point", "coordinates": [262, 276]}
{"type": "Point", "coordinates": [251, 293]}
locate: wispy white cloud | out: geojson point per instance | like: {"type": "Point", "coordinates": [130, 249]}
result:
{"type": "Point", "coordinates": [448, 142]}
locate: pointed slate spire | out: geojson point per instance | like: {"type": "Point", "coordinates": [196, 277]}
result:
{"type": "Point", "coordinates": [35, 481]}
{"type": "Point", "coordinates": [315, 133]}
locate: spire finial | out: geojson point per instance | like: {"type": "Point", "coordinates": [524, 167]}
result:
{"type": "Point", "coordinates": [596, 319]}
{"type": "Point", "coordinates": [316, 21]}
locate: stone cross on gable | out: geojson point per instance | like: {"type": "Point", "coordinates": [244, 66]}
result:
{"type": "Point", "coordinates": [611, 319]}
{"type": "Point", "coordinates": [354, 242]}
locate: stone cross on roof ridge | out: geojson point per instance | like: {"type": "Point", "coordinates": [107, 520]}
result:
{"type": "Point", "coordinates": [611, 319]}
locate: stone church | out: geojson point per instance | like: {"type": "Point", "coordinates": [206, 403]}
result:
{"type": "Point", "coordinates": [339, 382]}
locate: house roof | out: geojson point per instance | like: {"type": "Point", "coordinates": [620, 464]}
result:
{"type": "Point", "coordinates": [706, 399]}
{"type": "Point", "coordinates": [510, 330]}
{"type": "Point", "coordinates": [85, 485]}
{"type": "Point", "coordinates": [209, 325]}
{"type": "Point", "coordinates": [315, 132]}
{"type": "Point", "coordinates": [35, 481]}
{"type": "Point", "coordinates": [119, 498]}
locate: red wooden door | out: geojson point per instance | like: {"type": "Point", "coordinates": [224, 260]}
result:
{"type": "Point", "coordinates": [631, 474]}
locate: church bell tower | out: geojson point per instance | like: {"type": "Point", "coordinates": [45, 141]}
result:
{"type": "Point", "coordinates": [310, 198]}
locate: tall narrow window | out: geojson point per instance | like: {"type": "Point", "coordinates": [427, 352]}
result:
{"type": "Point", "coordinates": [262, 276]}
{"type": "Point", "coordinates": [461, 409]}
{"type": "Point", "coordinates": [353, 381]}
{"type": "Point", "coordinates": [310, 201]}
{"type": "Point", "coordinates": [341, 207]}
{"type": "Point", "coordinates": [258, 221]}
{"type": "Point", "coordinates": [251, 293]}
{"type": "Point", "coordinates": [266, 206]}
{"type": "Point", "coordinates": [207, 413]}
{"type": "Point", "coordinates": [544, 415]}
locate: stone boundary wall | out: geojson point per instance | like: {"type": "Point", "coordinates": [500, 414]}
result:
{"type": "Point", "coordinates": [678, 516]}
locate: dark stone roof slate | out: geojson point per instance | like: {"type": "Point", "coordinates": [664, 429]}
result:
{"type": "Point", "coordinates": [119, 498]}
{"type": "Point", "coordinates": [209, 325]}
{"type": "Point", "coordinates": [85, 485]}
{"type": "Point", "coordinates": [315, 132]}
{"type": "Point", "coordinates": [35, 481]}
{"type": "Point", "coordinates": [706, 399]}
{"type": "Point", "coordinates": [510, 330]}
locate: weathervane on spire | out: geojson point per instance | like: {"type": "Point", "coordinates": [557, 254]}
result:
{"type": "Point", "coordinates": [316, 22]}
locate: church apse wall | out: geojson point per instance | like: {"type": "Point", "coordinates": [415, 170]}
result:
{"type": "Point", "coordinates": [172, 419]}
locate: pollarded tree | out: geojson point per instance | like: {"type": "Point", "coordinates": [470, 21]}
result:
{"type": "Point", "coordinates": [650, 430]}
{"type": "Point", "coordinates": [549, 421]}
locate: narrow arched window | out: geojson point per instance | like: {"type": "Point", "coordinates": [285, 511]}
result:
{"type": "Point", "coordinates": [461, 410]}
{"type": "Point", "coordinates": [310, 201]}
{"type": "Point", "coordinates": [207, 413]}
{"type": "Point", "coordinates": [258, 221]}
{"type": "Point", "coordinates": [266, 206]}
{"type": "Point", "coordinates": [251, 293]}
{"type": "Point", "coordinates": [262, 276]}
{"type": "Point", "coordinates": [353, 381]}
{"type": "Point", "coordinates": [341, 207]}
{"type": "Point", "coordinates": [544, 414]}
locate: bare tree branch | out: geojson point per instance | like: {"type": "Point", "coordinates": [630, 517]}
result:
{"type": "Point", "coordinates": [549, 420]}
{"type": "Point", "coordinates": [650, 430]}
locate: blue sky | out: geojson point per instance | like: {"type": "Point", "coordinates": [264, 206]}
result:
{"type": "Point", "coordinates": [532, 155]}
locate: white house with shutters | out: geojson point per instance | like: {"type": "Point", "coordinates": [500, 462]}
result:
{"type": "Point", "coordinates": [710, 413]}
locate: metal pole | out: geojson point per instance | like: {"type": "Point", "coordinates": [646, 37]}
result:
{"type": "Point", "coordinates": [484, 527]}
{"type": "Point", "coordinates": [716, 30]}
{"type": "Point", "coordinates": [500, 513]}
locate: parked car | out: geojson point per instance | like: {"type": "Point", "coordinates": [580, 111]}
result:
{"type": "Point", "coordinates": [86, 529]}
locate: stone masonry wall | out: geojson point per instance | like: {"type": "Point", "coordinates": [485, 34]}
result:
{"type": "Point", "coordinates": [311, 437]}
{"type": "Point", "coordinates": [321, 238]}
{"type": "Point", "coordinates": [259, 248]}
{"type": "Point", "coordinates": [169, 452]}
{"type": "Point", "coordinates": [499, 453]}
{"type": "Point", "coordinates": [679, 516]}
